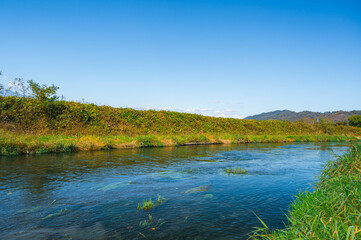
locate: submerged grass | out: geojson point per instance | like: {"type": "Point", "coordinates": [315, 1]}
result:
{"type": "Point", "coordinates": [146, 205]}
{"type": "Point", "coordinates": [236, 170]}
{"type": "Point", "coordinates": [149, 204]}
{"type": "Point", "coordinates": [160, 199]}
{"type": "Point", "coordinates": [332, 210]}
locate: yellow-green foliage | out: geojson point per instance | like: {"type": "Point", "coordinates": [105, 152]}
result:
{"type": "Point", "coordinates": [236, 170]}
{"type": "Point", "coordinates": [31, 126]}
{"type": "Point", "coordinates": [27, 115]}
{"type": "Point", "coordinates": [146, 205]}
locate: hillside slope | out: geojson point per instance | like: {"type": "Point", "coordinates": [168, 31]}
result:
{"type": "Point", "coordinates": [31, 126]}
{"type": "Point", "coordinates": [27, 115]}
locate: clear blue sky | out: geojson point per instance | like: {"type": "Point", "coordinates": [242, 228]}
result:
{"type": "Point", "coordinates": [220, 58]}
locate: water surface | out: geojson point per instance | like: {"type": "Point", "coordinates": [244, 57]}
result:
{"type": "Point", "coordinates": [95, 195]}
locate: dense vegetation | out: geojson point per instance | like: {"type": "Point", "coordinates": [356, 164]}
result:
{"type": "Point", "coordinates": [33, 116]}
{"type": "Point", "coordinates": [332, 210]}
{"type": "Point", "coordinates": [355, 121]}
{"type": "Point", "coordinates": [34, 120]}
{"type": "Point", "coordinates": [32, 125]}
{"type": "Point", "coordinates": [306, 116]}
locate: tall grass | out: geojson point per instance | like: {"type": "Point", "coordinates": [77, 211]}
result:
{"type": "Point", "coordinates": [332, 210]}
{"type": "Point", "coordinates": [13, 143]}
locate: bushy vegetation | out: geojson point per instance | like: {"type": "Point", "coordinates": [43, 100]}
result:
{"type": "Point", "coordinates": [34, 120]}
{"type": "Point", "coordinates": [33, 116]}
{"type": "Point", "coordinates": [332, 210]}
{"type": "Point", "coordinates": [355, 121]}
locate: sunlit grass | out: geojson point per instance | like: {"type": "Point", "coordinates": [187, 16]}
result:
{"type": "Point", "coordinates": [160, 199]}
{"type": "Point", "coordinates": [12, 143]}
{"type": "Point", "coordinates": [146, 205]}
{"type": "Point", "coordinates": [332, 210]}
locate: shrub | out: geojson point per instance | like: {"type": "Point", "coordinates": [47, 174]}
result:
{"type": "Point", "coordinates": [355, 121]}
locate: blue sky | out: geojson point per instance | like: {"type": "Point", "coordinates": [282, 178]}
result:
{"type": "Point", "coordinates": [219, 58]}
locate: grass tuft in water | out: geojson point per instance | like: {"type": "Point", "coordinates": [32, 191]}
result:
{"type": "Point", "coordinates": [160, 199]}
{"type": "Point", "coordinates": [146, 205]}
{"type": "Point", "coordinates": [236, 170]}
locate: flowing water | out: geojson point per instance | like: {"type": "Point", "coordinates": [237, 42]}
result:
{"type": "Point", "coordinates": [95, 195]}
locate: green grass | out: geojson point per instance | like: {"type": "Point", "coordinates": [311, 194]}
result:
{"type": "Point", "coordinates": [332, 210]}
{"type": "Point", "coordinates": [149, 204]}
{"type": "Point", "coordinates": [160, 199]}
{"type": "Point", "coordinates": [236, 170]}
{"type": "Point", "coordinates": [146, 205]}
{"type": "Point", "coordinates": [13, 143]}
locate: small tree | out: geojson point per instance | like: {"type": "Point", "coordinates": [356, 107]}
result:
{"type": "Point", "coordinates": [1, 86]}
{"type": "Point", "coordinates": [355, 121]}
{"type": "Point", "coordinates": [43, 92]}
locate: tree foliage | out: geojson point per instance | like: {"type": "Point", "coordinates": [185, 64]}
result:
{"type": "Point", "coordinates": [43, 92]}
{"type": "Point", "coordinates": [355, 121]}
{"type": "Point", "coordinates": [1, 86]}
{"type": "Point", "coordinates": [32, 89]}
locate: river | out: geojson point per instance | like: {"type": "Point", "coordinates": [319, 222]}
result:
{"type": "Point", "coordinates": [95, 195]}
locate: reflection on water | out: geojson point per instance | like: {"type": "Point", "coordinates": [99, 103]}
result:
{"type": "Point", "coordinates": [94, 195]}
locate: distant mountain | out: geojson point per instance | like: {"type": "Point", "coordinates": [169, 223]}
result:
{"type": "Point", "coordinates": [305, 116]}
{"type": "Point", "coordinates": [8, 93]}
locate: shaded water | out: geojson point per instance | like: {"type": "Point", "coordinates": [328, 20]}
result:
{"type": "Point", "coordinates": [94, 195]}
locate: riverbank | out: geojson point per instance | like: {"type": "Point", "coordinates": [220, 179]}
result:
{"type": "Point", "coordinates": [332, 210]}
{"type": "Point", "coordinates": [14, 144]}
{"type": "Point", "coordinates": [28, 126]}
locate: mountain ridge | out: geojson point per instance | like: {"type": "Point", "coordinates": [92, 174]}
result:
{"type": "Point", "coordinates": [305, 116]}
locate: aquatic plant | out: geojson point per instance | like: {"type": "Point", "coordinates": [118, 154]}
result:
{"type": "Point", "coordinates": [160, 199]}
{"type": "Point", "coordinates": [144, 223]}
{"type": "Point", "coordinates": [61, 212]}
{"type": "Point", "coordinates": [202, 188]}
{"type": "Point", "coordinates": [187, 170]}
{"type": "Point", "coordinates": [146, 205]}
{"type": "Point", "coordinates": [236, 170]}
{"type": "Point", "coordinates": [332, 210]}
{"type": "Point", "coordinates": [209, 196]}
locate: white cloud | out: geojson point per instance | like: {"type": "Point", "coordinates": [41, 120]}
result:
{"type": "Point", "coordinates": [224, 113]}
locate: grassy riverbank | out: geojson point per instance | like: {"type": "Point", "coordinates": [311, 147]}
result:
{"type": "Point", "coordinates": [13, 144]}
{"type": "Point", "coordinates": [28, 125]}
{"type": "Point", "coordinates": [332, 210]}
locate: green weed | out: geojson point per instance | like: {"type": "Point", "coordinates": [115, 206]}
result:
{"type": "Point", "coordinates": [146, 205]}
{"type": "Point", "coordinates": [236, 170]}
{"type": "Point", "coordinates": [332, 210]}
